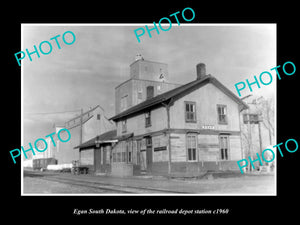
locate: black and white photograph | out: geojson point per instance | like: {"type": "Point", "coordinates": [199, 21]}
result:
{"type": "Point", "coordinates": [159, 117]}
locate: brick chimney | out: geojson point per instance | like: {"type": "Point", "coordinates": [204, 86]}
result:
{"type": "Point", "coordinates": [201, 70]}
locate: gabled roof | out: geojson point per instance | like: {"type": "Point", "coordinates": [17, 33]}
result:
{"type": "Point", "coordinates": [84, 113]}
{"type": "Point", "coordinates": [178, 93]}
{"type": "Point", "coordinates": [106, 137]}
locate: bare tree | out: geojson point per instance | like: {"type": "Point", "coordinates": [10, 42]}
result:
{"type": "Point", "coordinates": [261, 111]}
{"type": "Point", "coordinates": [266, 107]}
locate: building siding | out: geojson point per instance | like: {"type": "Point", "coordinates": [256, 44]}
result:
{"type": "Point", "coordinates": [206, 128]}
{"type": "Point", "coordinates": [169, 135]}
{"type": "Point", "coordinates": [206, 99]}
{"type": "Point", "coordinates": [137, 123]}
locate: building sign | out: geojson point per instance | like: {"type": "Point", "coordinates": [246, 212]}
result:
{"type": "Point", "coordinates": [208, 127]}
{"type": "Point", "coordinates": [163, 148]}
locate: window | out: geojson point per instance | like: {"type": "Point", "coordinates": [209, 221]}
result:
{"type": "Point", "coordinates": [147, 119]}
{"type": "Point", "coordinates": [150, 92]}
{"type": "Point", "coordinates": [124, 126]}
{"type": "Point", "coordinates": [224, 147]}
{"type": "Point", "coordinates": [148, 141]}
{"type": "Point", "coordinates": [128, 152]}
{"type": "Point", "coordinates": [222, 114]}
{"type": "Point", "coordinates": [124, 102]}
{"type": "Point", "coordinates": [140, 96]}
{"type": "Point", "coordinates": [191, 142]}
{"type": "Point", "coordinates": [123, 157]}
{"type": "Point", "coordinates": [98, 116]}
{"type": "Point", "coordinates": [190, 111]}
{"type": "Point", "coordinates": [119, 157]}
{"type": "Point", "coordinates": [129, 156]}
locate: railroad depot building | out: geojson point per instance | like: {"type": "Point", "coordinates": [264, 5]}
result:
{"type": "Point", "coordinates": [166, 128]}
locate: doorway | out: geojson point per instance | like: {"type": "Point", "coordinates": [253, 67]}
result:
{"type": "Point", "coordinates": [97, 160]}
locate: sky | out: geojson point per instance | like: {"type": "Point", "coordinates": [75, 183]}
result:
{"type": "Point", "coordinates": [84, 74]}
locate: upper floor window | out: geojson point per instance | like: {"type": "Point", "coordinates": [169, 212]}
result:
{"type": "Point", "coordinates": [190, 111]}
{"type": "Point", "coordinates": [147, 119]}
{"type": "Point", "coordinates": [222, 114]}
{"type": "Point", "coordinates": [98, 116]}
{"type": "Point", "coordinates": [140, 95]}
{"type": "Point", "coordinates": [124, 102]}
{"type": "Point", "coordinates": [124, 125]}
{"type": "Point", "coordinates": [150, 92]}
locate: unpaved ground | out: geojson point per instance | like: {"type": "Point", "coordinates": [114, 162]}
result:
{"type": "Point", "coordinates": [34, 185]}
{"type": "Point", "coordinates": [241, 185]}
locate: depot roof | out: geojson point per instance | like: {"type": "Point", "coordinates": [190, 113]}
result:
{"type": "Point", "coordinates": [178, 93]}
{"type": "Point", "coordinates": [107, 137]}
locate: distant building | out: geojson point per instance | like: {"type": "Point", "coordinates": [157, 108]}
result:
{"type": "Point", "coordinates": [82, 128]}
{"type": "Point", "coordinates": [147, 79]}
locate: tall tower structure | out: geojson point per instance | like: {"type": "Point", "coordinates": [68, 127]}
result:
{"type": "Point", "coordinates": [147, 79]}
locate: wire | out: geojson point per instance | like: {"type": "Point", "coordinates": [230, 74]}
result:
{"type": "Point", "coordinates": [51, 112]}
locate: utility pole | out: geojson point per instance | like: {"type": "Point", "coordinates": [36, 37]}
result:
{"type": "Point", "coordinates": [169, 141]}
{"type": "Point", "coordinates": [80, 137]}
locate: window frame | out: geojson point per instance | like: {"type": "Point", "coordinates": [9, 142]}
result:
{"type": "Point", "coordinates": [221, 153]}
{"type": "Point", "coordinates": [148, 119]}
{"type": "Point", "coordinates": [148, 91]}
{"type": "Point", "coordinates": [188, 120]}
{"type": "Point", "coordinates": [124, 103]}
{"type": "Point", "coordinates": [124, 125]}
{"type": "Point", "coordinates": [225, 114]}
{"type": "Point", "coordinates": [194, 157]}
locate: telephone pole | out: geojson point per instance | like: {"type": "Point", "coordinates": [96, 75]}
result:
{"type": "Point", "coordinates": [80, 137]}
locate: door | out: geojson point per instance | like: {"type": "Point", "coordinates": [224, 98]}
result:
{"type": "Point", "coordinates": [149, 159]}
{"type": "Point", "coordinates": [97, 160]}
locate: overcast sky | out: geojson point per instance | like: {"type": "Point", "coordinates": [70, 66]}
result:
{"type": "Point", "coordinates": [84, 74]}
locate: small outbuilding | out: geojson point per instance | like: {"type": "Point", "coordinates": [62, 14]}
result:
{"type": "Point", "coordinates": [96, 153]}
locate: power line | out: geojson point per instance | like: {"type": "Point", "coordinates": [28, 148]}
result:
{"type": "Point", "coordinates": [51, 112]}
